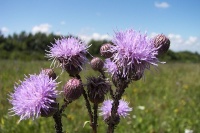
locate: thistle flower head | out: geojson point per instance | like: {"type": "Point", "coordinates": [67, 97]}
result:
{"type": "Point", "coordinates": [70, 53]}
{"type": "Point", "coordinates": [123, 108]}
{"type": "Point", "coordinates": [97, 64]}
{"type": "Point", "coordinates": [73, 89]}
{"type": "Point", "coordinates": [35, 94]}
{"type": "Point", "coordinates": [105, 50]}
{"type": "Point", "coordinates": [162, 43]}
{"type": "Point", "coordinates": [133, 52]}
{"type": "Point", "coordinates": [110, 66]}
{"type": "Point", "coordinates": [97, 88]}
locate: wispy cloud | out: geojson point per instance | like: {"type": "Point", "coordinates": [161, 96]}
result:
{"type": "Point", "coordinates": [191, 40]}
{"type": "Point", "coordinates": [161, 4]}
{"type": "Point", "coordinates": [179, 40]}
{"type": "Point", "coordinates": [176, 38]}
{"type": "Point", "coordinates": [178, 43]}
{"type": "Point", "coordinates": [44, 28]}
{"type": "Point", "coordinates": [4, 30]}
{"type": "Point", "coordinates": [94, 36]}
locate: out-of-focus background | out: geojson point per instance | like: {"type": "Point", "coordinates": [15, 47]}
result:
{"type": "Point", "coordinates": [166, 101]}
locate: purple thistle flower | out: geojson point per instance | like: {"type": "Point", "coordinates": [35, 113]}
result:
{"type": "Point", "coordinates": [110, 66]}
{"type": "Point", "coordinates": [35, 94]}
{"type": "Point", "coordinates": [123, 109]}
{"type": "Point", "coordinates": [70, 52]}
{"type": "Point", "coordinates": [133, 52]}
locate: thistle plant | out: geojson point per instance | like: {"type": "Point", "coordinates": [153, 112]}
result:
{"type": "Point", "coordinates": [125, 59]}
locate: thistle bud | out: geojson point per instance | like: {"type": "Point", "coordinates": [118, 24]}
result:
{"type": "Point", "coordinates": [162, 43]}
{"type": "Point", "coordinates": [50, 72]}
{"type": "Point", "coordinates": [73, 89]}
{"type": "Point", "coordinates": [97, 64]}
{"type": "Point", "coordinates": [105, 50]}
{"type": "Point", "coordinates": [50, 112]}
{"type": "Point", "coordinates": [97, 88]}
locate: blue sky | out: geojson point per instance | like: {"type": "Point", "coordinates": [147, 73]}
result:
{"type": "Point", "coordinates": [98, 19]}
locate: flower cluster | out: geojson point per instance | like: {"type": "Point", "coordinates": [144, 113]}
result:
{"type": "Point", "coordinates": [127, 57]}
{"type": "Point", "coordinates": [34, 95]}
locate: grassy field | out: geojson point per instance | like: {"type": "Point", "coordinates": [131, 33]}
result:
{"type": "Point", "coordinates": [165, 101]}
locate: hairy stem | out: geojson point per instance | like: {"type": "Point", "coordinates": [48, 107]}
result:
{"type": "Point", "coordinates": [58, 118]}
{"type": "Point", "coordinates": [111, 93]}
{"type": "Point", "coordinates": [88, 106]}
{"type": "Point", "coordinates": [102, 73]}
{"type": "Point", "coordinates": [95, 124]}
{"type": "Point", "coordinates": [114, 120]}
{"type": "Point", "coordinates": [58, 122]}
{"type": "Point", "coordinates": [66, 103]}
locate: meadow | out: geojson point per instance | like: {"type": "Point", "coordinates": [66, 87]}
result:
{"type": "Point", "coordinates": [166, 100]}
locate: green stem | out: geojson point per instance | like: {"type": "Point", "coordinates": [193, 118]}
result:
{"type": "Point", "coordinates": [87, 104]}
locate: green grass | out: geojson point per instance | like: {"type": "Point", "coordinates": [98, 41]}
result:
{"type": "Point", "coordinates": [170, 95]}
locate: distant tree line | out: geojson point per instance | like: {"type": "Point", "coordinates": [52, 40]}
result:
{"type": "Point", "coordinates": [25, 46]}
{"type": "Point", "coordinates": [28, 46]}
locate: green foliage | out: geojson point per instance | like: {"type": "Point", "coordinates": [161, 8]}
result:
{"type": "Point", "coordinates": [184, 56]}
{"type": "Point", "coordinates": [25, 46]}
{"type": "Point", "coordinates": [95, 46]}
{"type": "Point", "coordinates": [170, 97]}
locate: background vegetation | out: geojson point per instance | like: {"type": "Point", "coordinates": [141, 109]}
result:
{"type": "Point", "coordinates": [165, 101]}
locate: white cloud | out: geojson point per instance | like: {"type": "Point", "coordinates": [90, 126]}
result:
{"type": "Point", "coordinates": [4, 30]}
{"type": "Point", "coordinates": [176, 38]}
{"type": "Point", "coordinates": [191, 40]}
{"type": "Point", "coordinates": [44, 28]}
{"type": "Point", "coordinates": [178, 43]}
{"type": "Point", "coordinates": [153, 34]}
{"type": "Point", "coordinates": [94, 36]}
{"type": "Point", "coordinates": [62, 22]}
{"type": "Point", "coordinates": [58, 33]}
{"type": "Point", "coordinates": [161, 4]}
